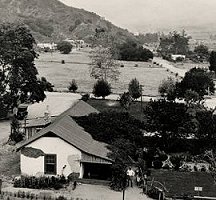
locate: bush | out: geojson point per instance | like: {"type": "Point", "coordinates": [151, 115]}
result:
{"type": "Point", "coordinates": [39, 183]}
{"type": "Point", "coordinates": [102, 88]}
{"type": "Point", "coordinates": [85, 97]}
{"type": "Point", "coordinates": [73, 86]}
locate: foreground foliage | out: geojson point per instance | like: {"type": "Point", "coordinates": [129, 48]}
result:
{"type": "Point", "coordinates": [18, 74]}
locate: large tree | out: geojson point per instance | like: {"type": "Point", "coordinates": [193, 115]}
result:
{"type": "Point", "coordinates": [104, 65]}
{"type": "Point", "coordinates": [18, 74]}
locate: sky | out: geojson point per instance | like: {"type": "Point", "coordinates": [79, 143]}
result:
{"type": "Point", "coordinates": [150, 15]}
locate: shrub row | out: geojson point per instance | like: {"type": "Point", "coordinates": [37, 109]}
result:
{"type": "Point", "coordinates": [32, 196]}
{"type": "Point", "coordinates": [40, 182]}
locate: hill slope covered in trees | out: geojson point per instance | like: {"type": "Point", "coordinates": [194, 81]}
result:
{"type": "Point", "coordinates": [51, 20]}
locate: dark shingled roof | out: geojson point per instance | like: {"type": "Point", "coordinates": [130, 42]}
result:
{"type": "Point", "coordinates": [67, 129]}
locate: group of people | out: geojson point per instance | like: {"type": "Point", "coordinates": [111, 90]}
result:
{"type": "Point", "coordinates": [135, 176]}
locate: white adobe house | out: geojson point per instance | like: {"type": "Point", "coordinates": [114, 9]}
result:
{"type": "Point", "coordinates": [174, 57]}
{"type": "Point", "coordinates": [64, 148]}
{"type": "Point", "coordinates": [51, 46]}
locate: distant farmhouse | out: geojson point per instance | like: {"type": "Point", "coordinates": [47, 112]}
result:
{"type": "Point", "coordinates": [47, 46]}
{"type": "Point", "coordinates": [76, 43]}
{"type": "Point", "coordinates": [175, 57]}
{"type": "Point", "coordinates": [62, 147]}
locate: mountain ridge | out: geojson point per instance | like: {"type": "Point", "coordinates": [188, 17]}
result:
{"type": "Point", "coordinates": [51, 20]}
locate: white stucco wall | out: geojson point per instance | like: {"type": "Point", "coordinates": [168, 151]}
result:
{"type": "Point", "coordinates": [66, 155]}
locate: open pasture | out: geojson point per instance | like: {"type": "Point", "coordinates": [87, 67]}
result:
{"type": "Point", "coordinates": [77, 67]}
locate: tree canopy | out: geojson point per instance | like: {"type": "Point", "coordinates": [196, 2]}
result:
{"type": "Point", "coordinates": [110, 126]}
{"type": "Point", "coordinates": [168, 88]}
{"type": "Point", "coordinates": [132, 51]}
{"type": "Point", "coordinates": [202, 52]}
{"type": "Point", "coordinates": [18, 74]}
{"type": "Point", "coordinates": [135, 89]}
{"type": "Point", "coordinates": [104, 65]}
{"type": "Point", "coordinates": [64, 47]}
{"type": "Point", "coordinates": [178, 121]}
{"type": "Point", "coordinates": [197, 80]}
{"type": "Point", "coordinates": [174, 43]}
{"type": "Point", "coordinates": [102, 88]}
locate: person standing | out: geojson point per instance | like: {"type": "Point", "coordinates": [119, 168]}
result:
{"type": "Point", "coordinates": [130, 175]}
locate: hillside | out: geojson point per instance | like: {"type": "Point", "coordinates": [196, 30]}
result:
{"type": "Point", "coordinates": [51, 20]}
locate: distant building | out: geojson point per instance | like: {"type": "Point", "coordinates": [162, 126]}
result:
{"type": "Point", "coordinates": [76, 43]}
{"type": "Point", "coordinates": [178, 56]}
{"type": "Point", "coordinates": [45, 46]}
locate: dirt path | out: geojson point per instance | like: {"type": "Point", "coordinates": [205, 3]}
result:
{"type": "Point", "coordinates": [89, 192]}
{"type": "Point", "coordinates": [167, 65]}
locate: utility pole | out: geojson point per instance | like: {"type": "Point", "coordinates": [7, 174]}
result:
{"type": "Point", "coordinates": [141, 104]}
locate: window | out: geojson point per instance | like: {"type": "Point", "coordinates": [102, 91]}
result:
{"type": "Point", "coordinates": [50, 164]}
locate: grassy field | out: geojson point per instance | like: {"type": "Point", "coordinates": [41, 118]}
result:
{"type": "Point", "coordinates": [190, 65]}
{"type": "Point", "coordinates": [110, 105]}
{"type": "Point", "coordinates": [76, 67]}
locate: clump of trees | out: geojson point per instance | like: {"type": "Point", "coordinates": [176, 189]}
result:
{"type": "Point", "coordinates": [64, 47]}
{"type": "Point", "coordinates": [131, 51]}
{"type": "Point", "coordinates": [174, 43]}
{"type": "Point", "coordinates": [172, 121]}
{"type": "Point", "coordinates": [202, 52]}
{"type": "Point", "coordinates": [193, 87]}
{"type": "Point", "coordinates": [197, 80]}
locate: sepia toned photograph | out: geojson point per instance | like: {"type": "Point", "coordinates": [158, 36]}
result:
{"type": "Point", "coordinates": [108, 100]}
